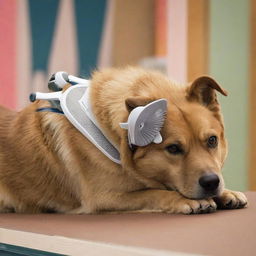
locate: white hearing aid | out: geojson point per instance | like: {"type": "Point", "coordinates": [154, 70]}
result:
{"type": "Point", "coordinates": [145, 122]}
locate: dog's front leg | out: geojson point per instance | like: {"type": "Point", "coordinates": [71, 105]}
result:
{"type": "Point", "coordinates": [231, 200]}
{"type": "Point", "coordinates": [154, 201]}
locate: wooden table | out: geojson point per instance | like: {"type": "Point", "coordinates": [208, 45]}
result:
{"type": "Point", "coordinates": [226, 232]}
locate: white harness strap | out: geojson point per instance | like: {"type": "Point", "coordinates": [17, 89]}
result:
{"type": "Point", "coordinates": [86, 106]}
{"type": "Point", "coordinates": [76, 107]}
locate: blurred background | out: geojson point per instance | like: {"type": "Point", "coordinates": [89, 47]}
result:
{"type": "Point", "coordinates": [182, 38]}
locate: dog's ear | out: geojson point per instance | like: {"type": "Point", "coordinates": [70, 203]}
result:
{"type": "Point", "coordinates": [203, 90]}
{"type": "Point", "coordinates": [136, 101]}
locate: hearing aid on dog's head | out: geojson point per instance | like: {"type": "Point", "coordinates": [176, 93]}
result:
{"type": "Point", "coordinates": [144, 123]}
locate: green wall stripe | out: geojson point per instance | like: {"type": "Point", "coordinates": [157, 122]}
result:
{"type": "Point", "coordinates": [89, 19]}
{"type": "Point", "coordinates": [43, 15]}
{"type": "Point", "coordinates": [228, 64]}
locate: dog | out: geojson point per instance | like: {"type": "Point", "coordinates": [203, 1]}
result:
{"type": "Point", "coordinates": [47, 165]}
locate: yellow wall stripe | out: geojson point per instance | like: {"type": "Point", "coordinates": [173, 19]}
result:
{"type": "Point", "coordinates": [133, 31]}
{"type": "Point", "coordinates": [197, 55]}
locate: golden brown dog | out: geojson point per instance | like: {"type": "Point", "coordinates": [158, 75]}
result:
{"type": "Point", "coordinates": [47, 164]}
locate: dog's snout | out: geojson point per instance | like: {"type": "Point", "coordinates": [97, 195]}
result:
{"type": "Point", "coordinates": [209, 182]}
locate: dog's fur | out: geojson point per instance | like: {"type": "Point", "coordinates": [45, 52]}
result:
{"type": "Point", "coordinates": [48, 165]}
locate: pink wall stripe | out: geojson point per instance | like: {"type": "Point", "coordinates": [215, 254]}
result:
{"type": "Point", "coordinates": [106, 47]}
{"type": "Point", "coordinates": [64, 53]}
{"type": "Point", "coordinates": [177, 40]}
{"type": "Point", "coordinates": [8, 52]}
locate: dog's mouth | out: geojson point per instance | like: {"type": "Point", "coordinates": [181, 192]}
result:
{"type": "Point", "coordinates": [207, 195]}
{"type": "Point", "coordinates": [197, 196]}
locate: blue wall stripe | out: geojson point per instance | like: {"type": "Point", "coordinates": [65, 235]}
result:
{"type": "Point", "coordinates": [42, 20]}
{"type": "Point", "coordinates": [89, 19]}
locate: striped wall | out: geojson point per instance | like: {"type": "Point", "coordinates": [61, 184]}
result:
{"type": "Point", "coordinates": [43, 36]}
{"type": "Point", "coordinates": [184, 38]}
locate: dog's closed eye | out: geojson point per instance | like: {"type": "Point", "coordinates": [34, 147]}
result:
{"type": "Point", "coordinates": [174, 149]}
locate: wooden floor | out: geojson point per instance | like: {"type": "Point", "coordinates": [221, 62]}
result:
{"type": "Point", "coordinates": [228, 232]}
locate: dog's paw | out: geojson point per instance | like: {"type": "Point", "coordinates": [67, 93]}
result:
{"type": "Point", "coordinates": [188, 206]}
{"type": "Point", "coordinates": [231, 200]}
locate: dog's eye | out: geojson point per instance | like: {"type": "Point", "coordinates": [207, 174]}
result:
{"type": "Point", "coordinates": [174, 149]}
{"type": "Point", "coordinates": [212, 142]}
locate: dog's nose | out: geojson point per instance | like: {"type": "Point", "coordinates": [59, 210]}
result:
{"type": "Point", "coordinates": [209, 182]}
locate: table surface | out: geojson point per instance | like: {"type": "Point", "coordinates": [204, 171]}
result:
{"type": "Point", "coordinates": [225, 232]}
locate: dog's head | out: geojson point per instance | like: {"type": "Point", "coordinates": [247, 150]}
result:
{"type": "Point", "coordinates": [194, 148]}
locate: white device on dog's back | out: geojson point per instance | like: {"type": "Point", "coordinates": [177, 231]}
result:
{"type": "Point", "coordinates": [143, 125]}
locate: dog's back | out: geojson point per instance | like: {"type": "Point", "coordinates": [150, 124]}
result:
{"type": "Point", "coordinates": [6, 118]}
{"type": "Point", "coordinates": [32, 178]}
